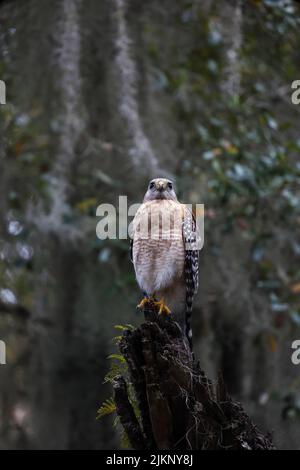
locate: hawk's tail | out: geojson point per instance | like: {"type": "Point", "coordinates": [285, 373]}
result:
{"type": "Point", "coordinates": [191, 279]}
{"type": "Point", "coordinates": [191, 270]}
{"type": "Point", "coordinates": [188, 318]}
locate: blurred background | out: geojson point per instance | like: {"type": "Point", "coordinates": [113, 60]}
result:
{"type": "Point", "coordinates": [102, 96]}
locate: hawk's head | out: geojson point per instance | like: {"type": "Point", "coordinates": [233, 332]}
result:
{"type": "Point", "coordinates": [160, 188]}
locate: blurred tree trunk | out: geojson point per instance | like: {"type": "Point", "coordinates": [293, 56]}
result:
{"type": "Point", "coordinates": [228, 314]}
{"type": "Point", "coordinates": [231, 19]}
{"type": "Point", "coordinates": [68, 325]}
{"type": "Point", "coordinates": [66, 352]}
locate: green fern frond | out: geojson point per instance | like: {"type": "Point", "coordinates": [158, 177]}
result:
{"type": "Point", "coordinates": [125, 442]}
{"type": "Point", "coordinates": [118, 357]}
{"type": "Point", "coordinates": [107, 407]}
{"type": "Point", "coordinates": [124, 327]}
{"type": "Point", "coordinates": [117, 339]}
{"type": "Point", "coordinates": [116, 421]}
{"type": "Point", "coordinates": [120, 327]}
{"type": "Point", "coordinates": [116, 368]}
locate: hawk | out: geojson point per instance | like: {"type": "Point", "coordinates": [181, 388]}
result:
{"type": "Point", "coordinates": [164, 254]}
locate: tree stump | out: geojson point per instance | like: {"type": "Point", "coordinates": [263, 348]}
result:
{"type": "Point", "coordinates": [177, 407]}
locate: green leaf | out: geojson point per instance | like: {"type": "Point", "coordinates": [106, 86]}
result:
{"type": "Point", "coordinates": [124, 327]}
{"type": "Point", "coordinates": [118, 357]}
{"type": "Point", "coordinates": [117, 339]}
{"type": "Point", "coordinates": [107, 407]}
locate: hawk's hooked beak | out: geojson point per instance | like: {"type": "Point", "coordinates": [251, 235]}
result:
{"type": "Point", "coordinates": [160, 185]}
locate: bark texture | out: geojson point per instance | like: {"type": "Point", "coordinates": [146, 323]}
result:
{"type": "Point", "coordinates": [179, 408]}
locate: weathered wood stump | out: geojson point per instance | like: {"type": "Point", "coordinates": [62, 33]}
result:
{"type": "Point", "coordinates": [178, 406]}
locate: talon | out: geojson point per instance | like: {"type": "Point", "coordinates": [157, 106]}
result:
{"type": "Point", "coordinates": [143, 302]}
{"type": "Point", "coordinates": [162, 307]}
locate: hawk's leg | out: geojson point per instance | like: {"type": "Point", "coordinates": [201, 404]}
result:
{"type": "Point", "coordinates": [145, 300]}
{"type": "Point", "coordinates": [162, 307]}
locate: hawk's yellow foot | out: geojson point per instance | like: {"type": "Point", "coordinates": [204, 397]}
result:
{"type": "Point", "coordinates": [162, 307]}
{"type": "Point", "coordinates": [143, 302]}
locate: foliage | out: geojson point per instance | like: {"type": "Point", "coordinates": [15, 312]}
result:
{"type": "Point", "coordinates": [118, 367]}
{"type": "Point", "coordinates": [107, 407]}
{"type": "Point", "coordinates": [237, 152]}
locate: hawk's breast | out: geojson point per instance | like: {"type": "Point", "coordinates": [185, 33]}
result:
{"type": "Point", "coordinates": [158, 248]}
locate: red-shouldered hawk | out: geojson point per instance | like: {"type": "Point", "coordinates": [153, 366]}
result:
{"type": "Point", "coordinates": [164, 253]}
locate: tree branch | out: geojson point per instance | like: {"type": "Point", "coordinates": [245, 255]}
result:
{"type": "Point", "coordinates": [178, 406]}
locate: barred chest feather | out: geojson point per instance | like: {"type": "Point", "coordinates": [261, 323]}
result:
{"type": "Point", "coordinates": [158, 247]}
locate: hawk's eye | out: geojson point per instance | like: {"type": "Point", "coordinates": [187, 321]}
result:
{"type": "Point", "coordinates": [170, 186]}
{"type": "Point", "coordinates": [151, 185]}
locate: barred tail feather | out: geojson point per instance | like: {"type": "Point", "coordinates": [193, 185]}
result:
{"type": "Point", "coordinates": [190, 292]}
{"type": "Point", "coordinates": [191, 270]}
{"type": "Point", "coordinates": [188, 318]}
